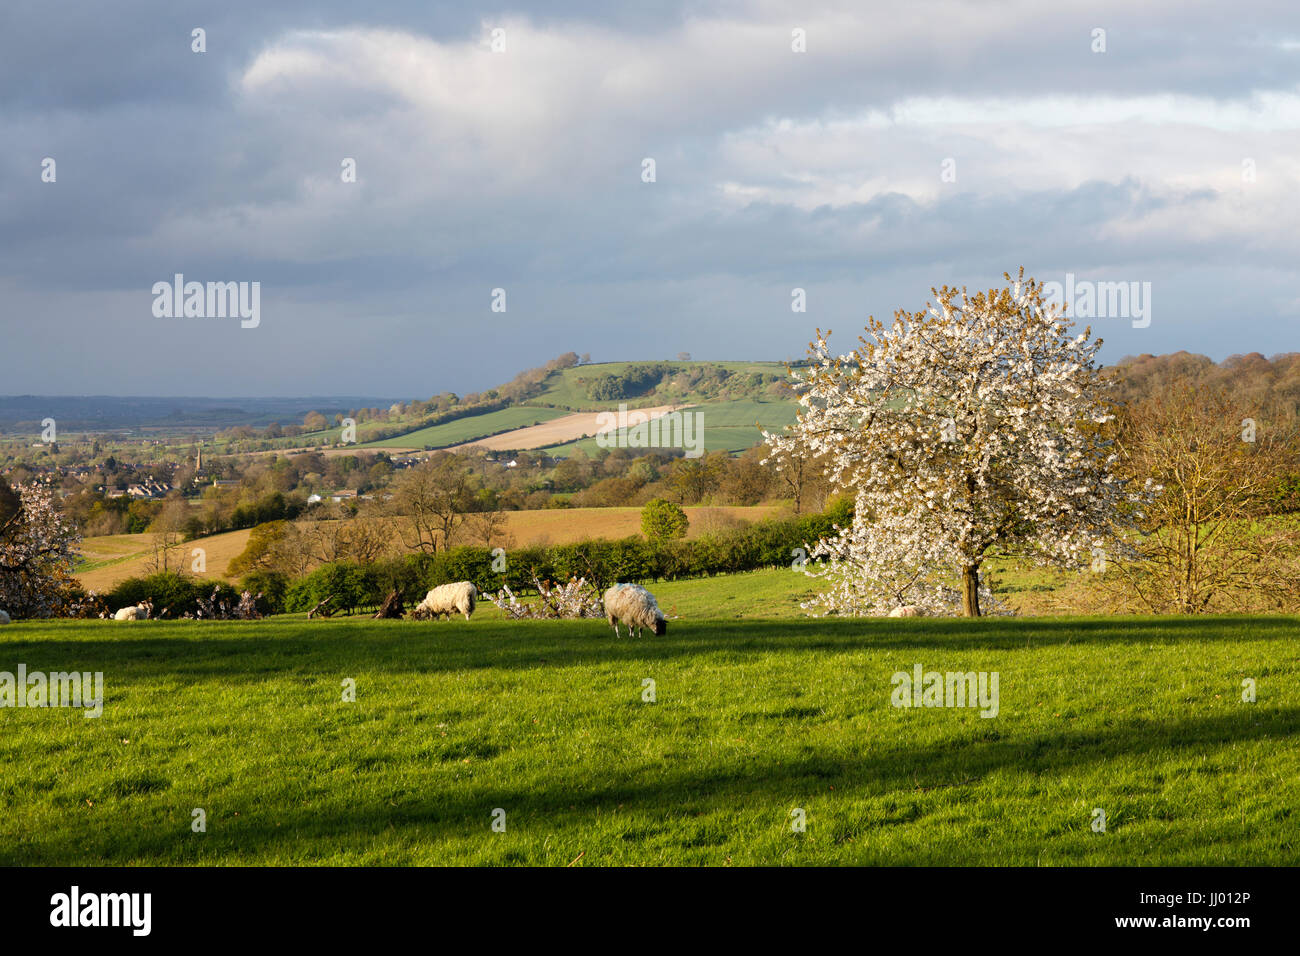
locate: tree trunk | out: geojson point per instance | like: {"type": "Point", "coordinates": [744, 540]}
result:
{"type": "Point", "coordinates": [392, 606]}
{"type": "Point", "coordinates": [970, 590]}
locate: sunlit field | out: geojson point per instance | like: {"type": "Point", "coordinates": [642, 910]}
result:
{"type": "Point", "coordinates": [752, 719]}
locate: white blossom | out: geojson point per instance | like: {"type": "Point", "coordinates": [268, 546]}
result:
{"type": "Point", "coordinates": [1028, 468]}
{"type": "Point", "coordinates": [37, 550]}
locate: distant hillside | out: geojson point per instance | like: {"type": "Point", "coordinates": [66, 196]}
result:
{"type": "Point", "coordinates": [604, 385]}
{"type": "Point", "coordinates": [736, 400]}
{"type": "Point", "coordinates": [22, 414]}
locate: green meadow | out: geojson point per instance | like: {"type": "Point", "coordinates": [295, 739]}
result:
{"type": "Point", "coordinates": [724, 426]}
{"type": "Point", "coordinates": [470, 428]}
{"type": "Point", "coordinates": [759, 718]}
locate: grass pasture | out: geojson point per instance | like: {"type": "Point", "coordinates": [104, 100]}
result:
{"type": "Point", "coordinates": [470, 428]}
{"type": "Point", "coordinates": [754, 717]}
{"type": "Point", "coordinates": [725, 426]}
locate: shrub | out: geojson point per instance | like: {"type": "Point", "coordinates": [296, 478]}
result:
{"type": "Point", "coordinates": [466, 563]}
{"type": "Point", "coordinates": [349, 585]}
{"type": "Point", "coordinates": [272, 586]}
{"type": "Point", "coordinates": [408, 575]}
{"type": "Point", "coordinates": [662, 520]}
{"type": "Point", "coordinates": [171, 593]}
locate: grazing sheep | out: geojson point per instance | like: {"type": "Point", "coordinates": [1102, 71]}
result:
{"type": "Point", "coordinates": [136, 612]}
{"type": "Point", "coordinates": [906, 610]}
{"type": "Point", "coordinates": [4, 617]}
{"type": "Point", "coordinates": [447, 599]}
{"type": "Point", "coordinates": [634, 606]}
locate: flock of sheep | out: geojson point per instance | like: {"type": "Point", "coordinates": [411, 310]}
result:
{"type": "Point", "coordinates": [628, 604]}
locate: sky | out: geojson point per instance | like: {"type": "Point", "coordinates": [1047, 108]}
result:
{"type": "Point", "coordinates": [861, 152]}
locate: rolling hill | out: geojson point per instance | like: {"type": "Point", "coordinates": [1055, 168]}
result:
{"type": "Point", "coordinates": [734, 399]}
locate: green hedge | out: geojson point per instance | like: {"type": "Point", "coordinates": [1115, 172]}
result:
{"type": "Point", "coordinates": [171, 594]}
{"type": "Point", "coordinates": [764, 544]}
{"type": "Point", "coordinates": [351, 586]}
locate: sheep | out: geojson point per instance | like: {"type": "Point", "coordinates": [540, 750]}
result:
{"type": "Point", "coordinates": [4, 618]}
{"type": "Point", "coordinates": [906, 610]}
{"type": "Point", "coordinates": [136, 612]}
{"type": "Point", "coordinates": [447, 599]}
{"type": "Point", "coordinates": [634, 606]}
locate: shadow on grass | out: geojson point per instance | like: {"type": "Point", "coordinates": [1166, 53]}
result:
{"type": "Point", "coordinates": [250, 649]}
{"type": "Point", "coordinates": [678, 793]}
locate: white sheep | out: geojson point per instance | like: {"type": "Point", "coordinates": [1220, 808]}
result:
{"type": "Point", "coordinates": [136, 612]}
{"type": "Point", "coordinates": [4, 617]}
{"type": "Point", "coordinates": [906, 610]}
{"type": "Point", "coordinates": [448, 599]}
{"type": "Point", "coordinates": [634, 606]}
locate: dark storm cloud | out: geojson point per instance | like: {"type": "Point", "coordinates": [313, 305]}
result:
{"type": "Point", "coordinates": [522, 171]}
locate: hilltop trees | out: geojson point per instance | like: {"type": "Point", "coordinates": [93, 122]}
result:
{"type": "Point", "coordinates": [974, 425]}
{"type": "Point", "coordinates": [629, 383]}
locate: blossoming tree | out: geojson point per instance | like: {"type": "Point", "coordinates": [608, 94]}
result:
{"type": "Point", "coordinates": [37, 549]}
{"type": "Point", "coordinates": [974, 426]}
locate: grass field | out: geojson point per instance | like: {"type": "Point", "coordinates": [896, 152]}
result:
{"type": "Point", "coordinates": [753, 718]}
{"type": "Point", "coordinates": [132, 556]}
{"type": "Point", "coordinates": [470, 428]}
{"type": "Point", "coordinates": [729, 424]}
{"type": "Point", "coordinates": [568, 428]}
{"type": "Point", "coordinates": [725, 426]}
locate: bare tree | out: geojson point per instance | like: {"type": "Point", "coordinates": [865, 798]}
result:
{"type": "Point", "coordinates": [793, 464]}
{"type": "Point", "coordinates": [1206, 542]}
{"type": "Point", "coordinates": [488, 528]}
{"type": "Point", "coordinates": [431, 502]}
{"type": "Point", "coordinates": [166, 534]}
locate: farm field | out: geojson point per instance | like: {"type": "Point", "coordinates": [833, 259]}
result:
{"type": "Point", "coordinates": [726, 426]}
{"type": "Point", "coordinates": [565, 404]}
{"type": "Point", "coordinates": [113, 558]}
{"type": "Point", "coordinates": [561, 429]}
{"type": "Point", "coordinates": [753, 718]}
{"type": "Point", "coordinates": [467, 429]}
{"type": "Point", "coordinates": [132, 555]}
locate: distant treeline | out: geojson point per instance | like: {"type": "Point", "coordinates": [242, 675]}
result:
{"type": "Point", "coordinates": [1270, 384]}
